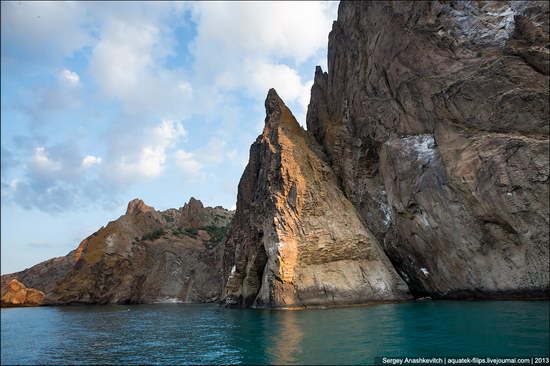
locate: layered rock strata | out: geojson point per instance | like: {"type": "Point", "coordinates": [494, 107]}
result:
{"type": "Point", "coordinates": [145, 256]}
{"type": "Point", "coordinates": [435, 118]}
{"type": "Point", "coordinates": [296, 240]}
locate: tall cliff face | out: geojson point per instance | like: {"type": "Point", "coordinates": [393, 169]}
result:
{"type": "Point", "coordinates": [435, 119]}
{"type": "Point", "coordinates": [142, 257]}
{"type": "Point", "coordinates": [296, 240]}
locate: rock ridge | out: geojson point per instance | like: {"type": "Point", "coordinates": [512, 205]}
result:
{"type": "Point", "coordinates": [296, 241]}
{"type": "Point", "coordinates": [145, 256]}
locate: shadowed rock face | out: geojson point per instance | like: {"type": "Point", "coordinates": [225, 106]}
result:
{"type": "Point", "coordinates": [144, 256]}
{"type": "Point", "coordinates": [296, 240]}
{"type": "Point", "coordinates": [435, 119]}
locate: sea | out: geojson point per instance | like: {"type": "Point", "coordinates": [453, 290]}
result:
{"type": "Point", "coordinates": [210, 334]}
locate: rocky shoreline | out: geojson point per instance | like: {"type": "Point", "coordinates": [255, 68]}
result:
{"type": "Point", "coordinates": [423, 172]}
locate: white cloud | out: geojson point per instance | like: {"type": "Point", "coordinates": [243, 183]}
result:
{"type": "Point", "coordinates": [232, 154]}
{"type": "Point", "coordinates": [58, 163]}
{"type": "Point", "coordinates": [148, 157]}
{"type": "Point", "coordinates": [43, 103]}
{"type": "Point", "coordinates": [169, 131]}
{"type": "Point", "coordinates": [90, 160]}
{"type": "Point", "coordinates": [294, 30]}
{"type": "Point", "coordinates": [240, 50]}
{"type": "Point", "coordinates": [70, 77]}
{"type": "Point", "coordinates": [42, 162]}
{"type": "Point", "coordinates": [149, 164]}
{"type": "Point", "coordinates": [195, 163]}
{"type": "Point", "coordinates": [262, 45]}
{"type": "Point", "coordinates": [285, 80]}
{"type": "Point", "coordinates": [127, 64]}
{"type": "Point", "coordinates": [213, 152]}
{"type": "Point", "coordinates": [54, 178]}
{"type": "Point", "coordinates": [186, 88]}
{"type": "Point", "coordinates": [188, 163]}
{"type": "Point", "coordinates": [48, 29]}
{"type": "Point", "coordinates": [122, 57]}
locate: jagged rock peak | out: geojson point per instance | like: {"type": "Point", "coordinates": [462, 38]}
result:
{"type": "Point", "coordinates": [136, 206]}
{"type": "Point", "coordinates": [294, 229]}
{"type": "Point", "coordinates": [273, 103]}
{"type": "Point", "coordinates": [278, 114]}
{"type": "Point", "coordinates": [194, 203]}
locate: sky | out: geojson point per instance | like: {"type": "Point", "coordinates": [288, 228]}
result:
{"type": "Point", "coordinates": [104, 102]}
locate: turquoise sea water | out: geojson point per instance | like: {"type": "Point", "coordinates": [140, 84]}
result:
{"type": "Point", "coordinates": [208, 334]}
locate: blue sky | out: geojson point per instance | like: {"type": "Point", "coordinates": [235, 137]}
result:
{"type": "Point", "coordinates": [103, 102]}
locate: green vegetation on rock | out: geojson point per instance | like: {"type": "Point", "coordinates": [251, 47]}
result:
{"type": "Point", "coordinates": [217, 235]}
{"type": "Point", "coordinates": [153, 235]}
{"type": "Point", "coordinates": [191, 232]}
{"type": "Point", "coordinates": [168, 218]}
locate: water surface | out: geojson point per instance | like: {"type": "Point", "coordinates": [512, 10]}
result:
{"type": "Point", "coordinates": [208, 334]}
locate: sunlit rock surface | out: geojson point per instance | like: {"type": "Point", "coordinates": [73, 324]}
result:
{"type": "Point", "coordinates": [296, 240]}
{"type": "Point", "coordinates": [145, 256]}
{"type": "Point", "coordinates": [14, 293]}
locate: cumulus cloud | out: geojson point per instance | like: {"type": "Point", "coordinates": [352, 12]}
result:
{"type": "Point", "coordinates": [44, 101]}
{"type": "Point", "coordinates": [59, 177]}
{"type": "Point", "coordinates": [43, 164]}
{"type": "Point", "coordinates": [47, 29]}
{"type": "Point", "coordinates": [90, 160]}
{"type": "Point", "coordinates": [148, 164]}
{"type": "Point", "coordinates": [61, 169]}
{"type": "Point", "coordinates": [127, 63]}
{"type": "Point", "coordinates": [70, 77]}
{"type": "Point", "coordinates": [142, 155]}
{"type": "Point", "coordinates": [270, 39]}
{"type": "Point", "coordinates": [168, 131]}
{"type": "Point", "coordinates": [61, 196]}
{"type": "Point", "coordinates": [294, 30]}
{"type": "Point", "coordinates": [195, 163]}
{"type": "Point", "coordinates": [55, 179]}
{"type": "Point", "coordinates": [285, 80]}
{"type": "Point", "coordinates": [238, 51]}
{"type": "Point", "coordinates": [188, 163]}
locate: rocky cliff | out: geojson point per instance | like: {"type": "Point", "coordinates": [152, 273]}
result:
{"type": "Point", "coordinates": [435, 118]}
{"type": "Point", "coordinates": [423, 172]}
{"type": "Point", "coordinates": [296, 240]}
{"type": "Point", "coordinates": [144, 256]}
{"type": "Point", "coordinates": [432, 128]}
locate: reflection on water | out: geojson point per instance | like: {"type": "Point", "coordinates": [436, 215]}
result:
{"type": "Point", "coordinates": [284, 345]}
{"type": "Point", "coordinates": [208, 334]}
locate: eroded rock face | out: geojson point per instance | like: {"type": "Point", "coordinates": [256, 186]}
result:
{"type": "Point", "coordinates": [435, 119]}
{"type": "Point", "coordinates": [296, 240]}
{"type": "Point", "coordinates": [14, 293]}
{"type": "Point", "coordinates": [145, 256]}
